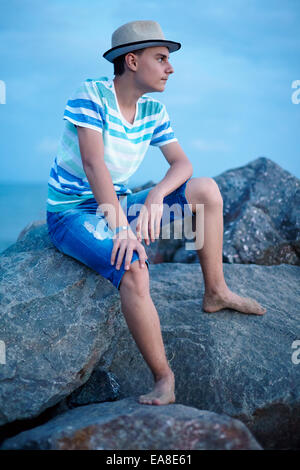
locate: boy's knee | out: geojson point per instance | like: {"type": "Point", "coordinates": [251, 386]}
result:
{"type": "Point", "coordinates": [212, 191]}
{"type": "Point", "coordinates": [136, 279]}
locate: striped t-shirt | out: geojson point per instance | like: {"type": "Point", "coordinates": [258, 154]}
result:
{"type": "Point", "coordinates": [94, 105]}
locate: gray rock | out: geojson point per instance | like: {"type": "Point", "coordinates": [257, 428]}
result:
{"type": "Point", "coordinates": [128, 425]}
{"type": "Point", "coordinates": [226, 362]}
{"type": "Point", "coordinates": [261, 218]}
{"type": "Point", "coordinates": [261, 214]}
{"type": "Point", "coordinates": [101, 386]}
{"type": "Point", "coordinates": [185, 256]}
{"type": "Point", "coordinates": [60, 321]}
{"type": "Point", "coordinates": [57, 318]}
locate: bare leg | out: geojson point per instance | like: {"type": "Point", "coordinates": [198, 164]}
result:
{"type": "Point", "coordinates": [143, 323]}
{"type": "Point", "coordinates": [217, 295]}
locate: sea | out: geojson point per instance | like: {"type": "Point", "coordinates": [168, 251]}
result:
{"type": "Point", "coordinates": [20, 204]}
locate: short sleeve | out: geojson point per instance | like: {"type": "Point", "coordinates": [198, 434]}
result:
{"type": "Point", "coordinates": [84, 108]}
{"type": "Point", "coordinates": [163, 133]}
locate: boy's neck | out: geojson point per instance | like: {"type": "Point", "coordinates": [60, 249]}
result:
{"type": "Point", "coordinates": [126, 91]}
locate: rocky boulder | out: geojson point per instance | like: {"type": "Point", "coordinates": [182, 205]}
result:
{"type": "Point", "coordinates": [261, 218]}
{"type": "Point", "coordinates": [60, 321]}
{"type": "Point", "coordinates": [261, 214]}
{"type": "Point", "coordinates": [57, 318]}
{"type": "Point", "coordinates": [126, 424]}
{"type": "Point", "coordinates": [227, 362]}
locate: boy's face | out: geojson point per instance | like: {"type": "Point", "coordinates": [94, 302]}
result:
{"type": "Point", "coordinates": [153, 69]}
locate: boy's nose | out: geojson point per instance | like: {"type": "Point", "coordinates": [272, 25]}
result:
{"type": "Point", "coordinates": [170, 69]}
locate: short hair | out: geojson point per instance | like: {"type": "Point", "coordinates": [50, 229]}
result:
{"type": "Point", "coordinates": [119, 62]}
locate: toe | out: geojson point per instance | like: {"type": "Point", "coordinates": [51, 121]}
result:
{"type": "Point", "coordinates": [156, 401]}
{"type": "Point", "coordinates": [145, 400]}
{"type": "Point", "coordinates": [262, 311]}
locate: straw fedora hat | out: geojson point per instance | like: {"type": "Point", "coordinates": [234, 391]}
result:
{"type": "Point", "coordinates": [138, 35]}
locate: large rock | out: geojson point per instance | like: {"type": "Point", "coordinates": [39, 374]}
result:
{"type": "Point", "coordinates": [126, 424]}
{"type": "Point", "coordinates": [57, 318]}
{"type": "Point", "coordinates": [60, 321]}
{"type": "Point", "coordinates": [226, 362]}
{"type": "Point", "coordinates": [261, 218]}
{"type": "Point", "coordinates": [261, 214]}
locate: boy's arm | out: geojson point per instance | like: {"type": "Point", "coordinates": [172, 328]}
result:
{"type": "Point", "coordinates": [148, 224]}
{"type": "Point", "coordinates": [180, 170]}
{"type": "Point", "coordinates": [92, 154]}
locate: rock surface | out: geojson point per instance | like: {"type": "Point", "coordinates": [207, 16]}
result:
{"type": "Point", "coordinates": [261, 218]}
{"type": "Point", "coordinates": [261, 214]}
{"type": "Point", "coordinates": [226, 362]}
{"type": "Point", "coordinates": [60, 321]}
{"type": "Point", "coordinates": [101, 386]}
{"type": "Point", "coordinates": [127, 425]}
{"type": "Point", "coordinates": [57, 318]}
{"type": "Point", "coordinates": [67, 343]}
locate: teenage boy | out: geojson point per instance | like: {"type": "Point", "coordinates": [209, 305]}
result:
{"type": "Point", "coordinates": [109, 126]}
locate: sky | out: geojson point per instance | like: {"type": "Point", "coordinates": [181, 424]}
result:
{"type": "Point", "coordinates": [229, 99]}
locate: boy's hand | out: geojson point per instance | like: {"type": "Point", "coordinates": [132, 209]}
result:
{"type": "Point", "coordinates": [126, 242]}
{"type": "Point", "coordinates": [149, 219]}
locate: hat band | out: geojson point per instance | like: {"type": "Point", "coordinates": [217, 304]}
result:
{"type": "Point", "coordinates": [123, 48]}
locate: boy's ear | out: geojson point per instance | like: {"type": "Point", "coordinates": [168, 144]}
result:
{"type": "Point", "coordinates": [130, 60]}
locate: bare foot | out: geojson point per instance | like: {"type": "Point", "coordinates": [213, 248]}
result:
{"type": "Point", "coordinates": [228, 299]}
{"type": "Point", "coordinates": [162, 394]}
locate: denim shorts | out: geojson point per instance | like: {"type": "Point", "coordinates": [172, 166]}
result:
{"type": "Point", "coordinates": [83, 233]}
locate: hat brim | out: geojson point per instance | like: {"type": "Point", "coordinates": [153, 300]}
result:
{"type": "Point", "coordinates": [115, 52]}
